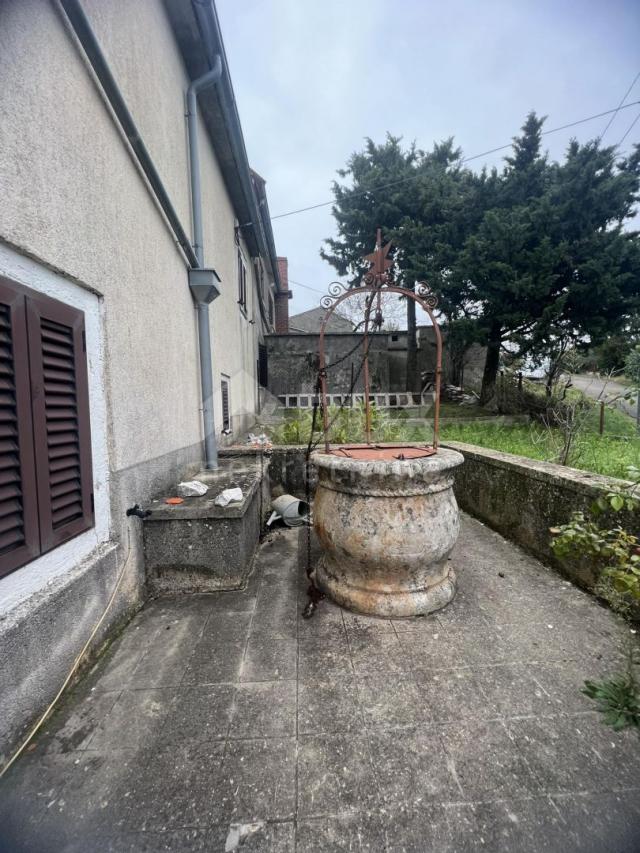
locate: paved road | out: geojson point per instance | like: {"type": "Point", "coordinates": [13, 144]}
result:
{"type": "Point", "coordinates": [604, 389]}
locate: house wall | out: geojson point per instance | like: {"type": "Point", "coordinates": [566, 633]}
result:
{"type": "Point", "coordinates": [77, 219]}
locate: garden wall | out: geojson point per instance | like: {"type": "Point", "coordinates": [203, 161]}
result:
{"type": "Point", "coordinates": [522, 498]}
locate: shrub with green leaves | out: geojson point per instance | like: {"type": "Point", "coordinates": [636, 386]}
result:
{"type": "Point", "coordinates": [617, 699]}
{"type": "Point", "coordinates": [614, 550]}
{"type": "Point", "coordinates": [617, 553]}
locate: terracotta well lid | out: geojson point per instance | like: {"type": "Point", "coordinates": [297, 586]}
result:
{"type": "Point", "coordinates": [381, 451]}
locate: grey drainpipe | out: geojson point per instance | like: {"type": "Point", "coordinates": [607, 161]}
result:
{"type": "Point", "coordinates": [204, 331]}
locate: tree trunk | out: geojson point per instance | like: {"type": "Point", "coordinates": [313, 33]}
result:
{"type": "Point", "coordinates": [491, 366]}
{"type": "Point", "coordinates": [413, 381]}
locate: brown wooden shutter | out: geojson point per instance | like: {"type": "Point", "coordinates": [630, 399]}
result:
{"type": "Point", "coordinates": [19, 540]}
{"type": "Point", "coordinates": [60, 409]}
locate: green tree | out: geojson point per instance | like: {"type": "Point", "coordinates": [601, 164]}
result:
{"type": "Point", "coordinates": [534, 256]}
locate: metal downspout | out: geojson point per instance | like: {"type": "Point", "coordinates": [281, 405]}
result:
{"type": "Point", "coordinates": [204, 330]}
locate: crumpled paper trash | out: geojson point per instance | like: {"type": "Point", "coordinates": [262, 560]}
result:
{"type": "Point", "coordinates": [229, 496]}
{"type": "Point", "coordinates": [192, 489]}
{"type": "Point", "coordinates": [261, 440]}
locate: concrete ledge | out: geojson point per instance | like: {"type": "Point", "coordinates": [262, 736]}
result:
{"type": "Point", "coordinates": [197, 546]}
{"type": "Point", "coordinates": [522, 498]}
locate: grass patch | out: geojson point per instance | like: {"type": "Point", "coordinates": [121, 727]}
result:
{"type": "Point", "coordinates": [601, 454]}
{"type": "Point", "coordinates": [610, 454]}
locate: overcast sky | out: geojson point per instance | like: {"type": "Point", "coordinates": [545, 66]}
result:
{"type": "Point", "coordinates": [313, 78]}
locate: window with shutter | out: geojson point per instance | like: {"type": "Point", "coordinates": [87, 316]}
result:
{"type": "Point", "coordinates": [19, 536]}
{"type": "Point", "coordinates": [242, 282]}
{"type": "Point", "coordinates": [226, 410]}
{"type": "Point", "coordinates": [47, 371]}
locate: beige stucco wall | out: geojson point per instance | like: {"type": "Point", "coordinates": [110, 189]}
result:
{"type": "Point", "coordinates": [74, 200]}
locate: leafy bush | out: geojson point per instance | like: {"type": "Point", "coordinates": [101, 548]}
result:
{"type": "Point", "coordinates": [615, 551]}
{"type": "Point", "coordinates": [617, 698]}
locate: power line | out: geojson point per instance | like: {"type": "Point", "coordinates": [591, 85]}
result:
{"type": "Point", "coordinates": [629, 129]}
{"type": "Point", "coordinates": [306, 286]}
{"type": "Point", "coordinates": [464, 160]}
{"type": "Point", "coordinates": [612, 119]}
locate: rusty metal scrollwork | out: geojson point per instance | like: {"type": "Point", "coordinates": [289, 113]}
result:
{"type": "Point", "coordinates": [426, 294]}
{"type": "Point", "coordinates": [336, 289]}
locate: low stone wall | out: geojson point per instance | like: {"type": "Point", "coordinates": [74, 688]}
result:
{"type": "Point", "coordinates": [522, 498]}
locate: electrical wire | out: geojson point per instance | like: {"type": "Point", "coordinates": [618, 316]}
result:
{"type": "Point", "coordinates": [629, 129]}
{"type": "Point", "coordinates": [464, 160]}
{"type": "Point", "coordinates": [74, 667]}
{"type": "Point", "coordinates": [306, 286]}
{"type": "Point", "coordinates": [612, 119]}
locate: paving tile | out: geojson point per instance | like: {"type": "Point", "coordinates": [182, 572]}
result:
{"type": "Point", "coordinates": [256, 837]}
{"type": "Point", "coordinates": [227, 627]}
{"type": "Point", "coordinates": [446, 649]}
{"type": "Point", "coordinates": [324, 658]}
{"type": "Point", "coordinates": [176, 787]}
{"type": "Point", "coordinates": [329, 707]}
{"type": "Point", "coordinates": [181, 840]}
{"type": "Point", "coordinates": [356, 833]}
{"type": "Point", "coordinates": [76, 721]}
{"type": "Point", "coordinates": [327, 621]}
{"type": "Point", "coordinates": [375, 653]}
{"type": "Point", "coordinates": [412, 768]}
{"type": "Point", "coordinates": [269, 660]}
{"type": "Point", "coordinates": [264, 709]}
{"type": "Point", "coordinates": [276, 616]}
{"type": "Point", "coordinates": [83, 805]}
{"type": "Point", "coordinates": [563, 682]}
{"type": "Point", "coordinates": [114, 670]}
{"type": "Point", "coordinates": [421, 829]}
{"type": "Point", "coordinates": [136, 719]}
{"type": "Point", "coordinates": [26, 791]}
{"type": "Point", "coordinates": [428, 623]}
{"type": "Point", "coordinates": [359, 624]}
{"type": "Point", "coordinates": [486, 762]}
{"type": "Point", "coordinates": [454, 694]}
{"type": "Point", "coordinates": [213, 663]}
{"type": "Point", "coordinates": [234, 601]}
{"type": "Point", "coordinates": [199, 713]}
{"type": "Point", "coordinates": [528, 641]}
{"type": "Point", "coordinates": [391, 699]}
{"type": "Point", "coordinates": [532, 825]}
{"type": "Point", "coordinates": [601, 823]}
{"type": "Point", "coordinates": [511, 690]}
{"type": "Point", "coordinates": [261, 776]}
{"type": "Point", "coordinates": [578, 753]}
{"type": "Point", "coordinates": [335, 775]}
{"type": "Point", "coordinates": [164, 663]}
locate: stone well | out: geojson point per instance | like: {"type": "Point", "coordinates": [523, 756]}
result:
{"type": "Point", "coordinates": [387, 520]}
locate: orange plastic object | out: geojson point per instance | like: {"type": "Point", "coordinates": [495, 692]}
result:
{"type": "Point", "coordinates": [174, 501]}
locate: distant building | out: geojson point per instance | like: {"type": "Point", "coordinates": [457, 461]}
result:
{"type": "Point", "coordinates": [309, 322]}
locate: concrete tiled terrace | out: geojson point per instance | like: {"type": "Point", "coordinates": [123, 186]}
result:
{"type": "Point", "coordinates": [460, 731]}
